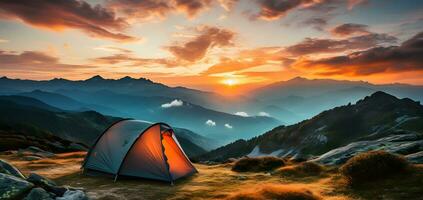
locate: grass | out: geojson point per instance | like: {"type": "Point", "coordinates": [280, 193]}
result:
{"type": "Point", "coordinates": [275, 191]}
{"type": "Point", "coordinates": [374, 165]}
{"type": "Point", "coordinates": [258, 164]}
{"type": "Point", "coordinates": [304, 169]}
{"type": "Point", "coordinates": [220, 182]}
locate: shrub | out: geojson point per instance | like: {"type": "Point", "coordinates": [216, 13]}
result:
{"type": "Point", "coordinates": [271, 191]}
{"type": "Point", "coordinates": [302, 169]}
{"type": "Point", "coordinates": [371, 166]}
{"type": "Point", "coordinates": [258, 164]}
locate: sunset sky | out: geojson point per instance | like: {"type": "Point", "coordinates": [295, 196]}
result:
{"type": "Point", "coordinates": [213, 44]}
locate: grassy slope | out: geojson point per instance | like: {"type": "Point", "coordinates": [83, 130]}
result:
{"type": "Point", "coordinates": [217, 182]}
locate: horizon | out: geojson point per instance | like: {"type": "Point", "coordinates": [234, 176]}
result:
{"type": "Point", "coordinates": [213, 45]}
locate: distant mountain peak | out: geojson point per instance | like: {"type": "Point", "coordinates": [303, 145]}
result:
{"type": "Point", "coordinates": [126, 78]}
{"type": "Point", "coordinates": [96, 78]}
{"type": "Point", "coordinates": [297, 79]}
{"type": "Point", "coordinates": [4, 77]}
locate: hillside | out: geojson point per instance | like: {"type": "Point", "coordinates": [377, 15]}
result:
{"type": "Point", "coordinates": [375, 117]}
{"type": "Point", "coordinates": [26, 122]}
{"type": "Point", "coordinates": [308, 97]}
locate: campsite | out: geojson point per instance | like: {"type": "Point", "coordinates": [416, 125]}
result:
{"type": "Point", "coordinates": [211, 99]}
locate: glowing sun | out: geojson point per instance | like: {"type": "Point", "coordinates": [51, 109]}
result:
{"type": "Point", "coordinates": [229, 82]}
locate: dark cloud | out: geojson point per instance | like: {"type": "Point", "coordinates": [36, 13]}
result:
{"type": "Point", "coordinates": [317, 23]}
{"type": "Point", "coordinates": [406, 57]}
{"type": "Point", "coordinates": [274, 9]}
{"type": "Point", "coordinates": [313, 45]}
{"type": "Point", "coordinates": [147, 9]}
{"type": "Point", "coordinates": [197, 48]}
{"type": "Point", "coordinates": [350, 29]}
{"type": "Point", "coordinates": [96, 21]}
{"type": "Point", "coordinates": [192, 7]}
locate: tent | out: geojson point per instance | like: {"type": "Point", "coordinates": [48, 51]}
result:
{"type": "Point", "coordinates": [139, 149]}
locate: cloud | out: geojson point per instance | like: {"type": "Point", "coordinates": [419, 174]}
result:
{"type": "Point", "coordinates": [3, 40]}
{"type": "Point", "coordinates": [350, 29]}
{"type": "Point", "coordinates": [228, 4]}
{"type": "Point", "coordinates": [57, 15]}
{"type": "Point", "coordinates": [228, 126]}
{"type": "Point", "coordinates": [210, 123]}
{"type": "Point", "coordinates": [145, 10]}
{"type": "Point", "coordinates": [112, 49]}
{"type": "Point", "coordinates": [406, 57]}
{"type": "Point", "coordinates": [174, 103]}
{"type": "Point", "coordinates": [192, 7]}
{"type": "Point", "coordinates": [317, 23]}
{"type": "Point", "coordinates": [314, 45]}
{"type": "Point", "coordinates": [128, 59]}
{"type": "Point", "coordinates": [196, 49]}
{"type": "Point", "coordinates": [263, 114]}
{"type": "Point", "coordinates": [242, 114]}
{"type": "Point", "coordinates": [39, 64]}
{"type": "Point", "coordinates": [275, 9]}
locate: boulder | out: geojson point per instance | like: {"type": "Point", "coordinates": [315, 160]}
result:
{"type": "Point", "coordinates": [47, 184]}
{"type": "Point", "coordinates": [12, 187]}
{"type": "Point", "coordinates": [7, 168]}
{"type": "Point", "coordinates": [404, 144]}
{"type": "Point", "coordinates": [38, 194]}
{"type": "Point", "coordinates": [73, 195]}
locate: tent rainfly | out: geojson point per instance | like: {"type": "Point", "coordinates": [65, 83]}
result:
{"type": "Point", "coordinates": [139, 149]}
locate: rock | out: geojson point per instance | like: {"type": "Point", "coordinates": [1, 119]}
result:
{"type": "Point", "coordinates": [38, 194]}
{"type": "Point", "coordinates": [40, 180]}
{"type": "Point", "coordinates": [416, 158]}
{"type": "Point", "coordinates": [399, 144]}
{"type": "Point", "coordinates": [7, 168]}
{"type": "Point", "coordinates": [12, 187]}
{"type": "Point", "coordinates": [73, 195]}
{"type": "Point", "coordinates": [46, 184]}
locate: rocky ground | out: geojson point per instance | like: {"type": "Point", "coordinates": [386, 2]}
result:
{"type": "Point", "coordinates": [212, 182]}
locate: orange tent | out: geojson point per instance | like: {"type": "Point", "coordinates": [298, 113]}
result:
{"type": "Point", "coordinates": [139, 149]}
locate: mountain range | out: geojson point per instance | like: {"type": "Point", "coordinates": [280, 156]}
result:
{"type": "Point", "coordinates": [25, 121]}
{"type": "Point", "coordinates": [379, 121]}
{"type": "Point", "coordinates": [145, 100]}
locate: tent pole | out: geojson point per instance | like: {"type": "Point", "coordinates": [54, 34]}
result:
{"type": "Point", "coordinates": [116, 176]}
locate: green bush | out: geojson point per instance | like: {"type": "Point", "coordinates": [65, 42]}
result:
{"type": "Point", "coordinates": [371, 166]}
{"type": "Point", "coordinates": [258, 164]}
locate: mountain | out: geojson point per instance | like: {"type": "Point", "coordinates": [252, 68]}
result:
{"type": "Point", "coordinates": [308, 97]}
{"type": "Point", "coordinates": [67, 103]}
{"type": "Point", "coordinates": [182, 114]}
{"type": "Point", "coordinates": [146, 100]}
{"type": "Point", "coordinates": [23, 122]}
{"type": "Point", "coordinates": [126, 85]}
{"type": "Point", "coordinates": [379, 117]}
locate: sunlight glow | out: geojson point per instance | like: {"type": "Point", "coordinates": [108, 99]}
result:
{"type": "Point", "coordinates": [230, 82]}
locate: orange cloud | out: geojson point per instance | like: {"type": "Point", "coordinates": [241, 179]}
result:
{"type": "Point", "coordinates": [350, 29]}
{"type": "Point", "coordinates": [197, 48]}
{"type": "Point", "coordinates": [96, 21]}
{"type": "Point", "coordinates": [377, 60]}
